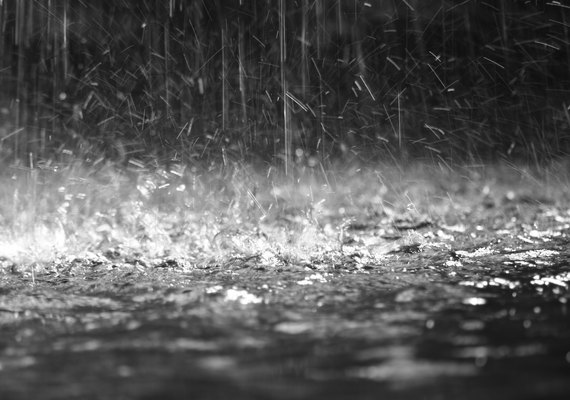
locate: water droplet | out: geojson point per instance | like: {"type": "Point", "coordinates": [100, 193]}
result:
{"type": "Point", "coordinates": [527, 323]}
{"type": "Point", "coordinates": [475, 301]}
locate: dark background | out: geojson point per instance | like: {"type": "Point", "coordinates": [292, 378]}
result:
{"type": "Point", "coordinates": [184, 79]}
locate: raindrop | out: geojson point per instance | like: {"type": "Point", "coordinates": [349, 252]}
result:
{"type": "Point", "coordinates": [474, 301]}
{"type": "Point", "coordinates": [527, 323]}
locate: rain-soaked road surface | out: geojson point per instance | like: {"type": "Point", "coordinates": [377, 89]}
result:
{"type": "Point", "coordinates": [467, 312]}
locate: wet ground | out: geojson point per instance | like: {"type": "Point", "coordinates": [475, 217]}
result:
{"type": "Point", "coordinates": [472, 307]}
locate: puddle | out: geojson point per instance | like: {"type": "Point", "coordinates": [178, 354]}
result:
{"type": "Point", "coordinates": [442, 313]}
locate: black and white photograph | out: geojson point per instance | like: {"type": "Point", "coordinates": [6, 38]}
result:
{"type": "Point", "coordinates": [284, 199]}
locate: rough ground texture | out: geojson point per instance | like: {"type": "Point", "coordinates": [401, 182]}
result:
{"type": "Point", "coordinates": [443, 287]}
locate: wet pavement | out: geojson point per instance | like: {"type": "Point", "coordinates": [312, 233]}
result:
{"type": "Point", "coordinates": [443, 311]}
